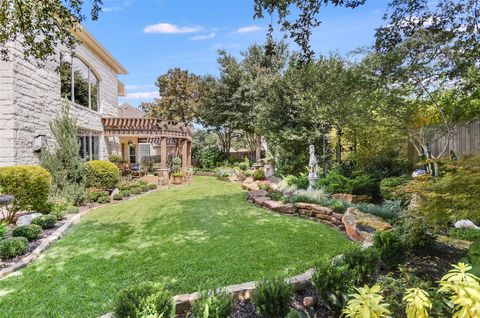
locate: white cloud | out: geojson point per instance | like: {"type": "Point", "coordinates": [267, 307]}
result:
{"type": "Point", "coordinates": [204, 36]}
{"type": "Point", "coordinates": [248, 29]}
{"type": "Point", "coordinates": [168, 28]}
{"type": "Point", "coordinates": [142, 95]}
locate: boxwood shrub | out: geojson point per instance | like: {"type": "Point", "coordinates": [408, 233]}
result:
{"type": "Point", "coordinates": [46, 221]}
{"type": "Point", "coordinates": [12, 247]}
{"type": "Point", "coordinates": [29, 184]}
{"type": "Point", "coordinates": [118, 196]}
{"type": "Point", "coordinates": [30, 232]}
{"type": "Point", "coordinates": [103, 200]}
{"type": "Point", "coordinates": [102, 174]}
{"type": "Point", "coordinates": [259, 175]}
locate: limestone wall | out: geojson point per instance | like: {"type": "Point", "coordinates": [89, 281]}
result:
{"type": "Point", "coordinates": [30, 98]}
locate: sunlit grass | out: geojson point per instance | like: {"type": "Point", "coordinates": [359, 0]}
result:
{"type": "Point", "coordinates": [193, 237]}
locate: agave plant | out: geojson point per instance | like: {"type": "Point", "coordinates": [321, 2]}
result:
{"type": "Point", "coordinates": [417, 303]}
{"type": "Point", "coordinates": [366, 303]}
{"type": "Point", "coordinates": [464, 291]}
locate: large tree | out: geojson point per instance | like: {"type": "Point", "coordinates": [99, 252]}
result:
{"type": "Point", "coordinates": [298, 18]}
{"type": "Point", "coordinates": [40, 26]}
{"type": "Point", "coordinates": [179, 96]}
{"type": "Point", "coordinates": [425, 51]}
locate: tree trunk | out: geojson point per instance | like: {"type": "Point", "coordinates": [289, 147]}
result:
{"type": "Point", "coordinates": [339, 145]}
{"type": "Point", "coordinates": [258, 148]}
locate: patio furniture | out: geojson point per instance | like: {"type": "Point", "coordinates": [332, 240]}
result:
{"type": "Point", "coordinates": [135, 169]}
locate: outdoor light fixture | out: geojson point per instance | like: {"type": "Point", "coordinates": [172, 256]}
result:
{"type": "Point", "coordinates": [39, 142]}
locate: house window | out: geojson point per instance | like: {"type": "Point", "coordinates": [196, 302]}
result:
{"type": "Point", "coordinates": [89, 146]}
{"type": "Point", "coordinates": [143, 151]}
{"type": "Point", "coordinates": [133, 158]}
{"type": "Point", "coordinates": [79, 83]}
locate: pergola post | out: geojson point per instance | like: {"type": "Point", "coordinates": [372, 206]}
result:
{"type": "Point", "coordinates": [163, 153]}
{"type": "Point", "coordinates": [189, 158]}
{"type": "Point", "coordinates": [185, 153]}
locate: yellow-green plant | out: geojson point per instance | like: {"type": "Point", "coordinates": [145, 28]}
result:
{"type": "Point", "coordinates": [366, 303]}
{"type": "Point", "coordinates": [417, 303]}
{"type": "Point", "coordinates": [464, 291]}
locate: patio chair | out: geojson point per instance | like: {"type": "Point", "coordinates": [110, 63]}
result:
{"type": "Point", "coordinates": [135, 169]}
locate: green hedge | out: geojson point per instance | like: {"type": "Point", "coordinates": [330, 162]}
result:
{"type": "Point", "coordinates": [29, 184]}
{"type": "Point", "coordinates": [102, 174]}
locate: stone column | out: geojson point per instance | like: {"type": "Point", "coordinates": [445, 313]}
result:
{"type": "Point", "coordinates": [163, 153]}
{"type": "Point", "coordinates": [185, 153]}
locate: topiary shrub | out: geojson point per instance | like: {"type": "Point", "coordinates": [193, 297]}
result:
{"type": "Point", "coordinates": [143, 300]}
{"type": "Point", "coordinates": [103, 200]}
{"type": "Point", "coordinates": [29, 184]}
{"type": "Point", "coordinates": [118, 196]}
{"type": "Point", "coordinates": [214, 305]}
{"type": "Point", "coordinates": [272, 297]}
{"type": "Point", "coordinates": [391, 248]}
{"type": "Point", "coordinates": [46, 221]}
{"type": "Point", "coordinates": [30, 232]}
{"type": "Point", "coordinates": [102, 174]}
{"type": "Point", "coordinates": [12, 247]}
{"type": "Point", "coordinates": [259, 175]}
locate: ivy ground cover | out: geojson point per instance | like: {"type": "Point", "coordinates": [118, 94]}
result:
{"type": "Point", "coordinates": [191, 238]}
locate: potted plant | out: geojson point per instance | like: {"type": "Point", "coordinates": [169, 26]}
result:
{"type": "Point", "coordinates": [177, 177]}
{"type": "Point", "coordinates": [176, 169]}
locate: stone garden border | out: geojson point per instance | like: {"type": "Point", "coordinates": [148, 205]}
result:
{"type": "Point", "coordinates": [57, 234]}
{"type": "Point", "coordinates": [243, 291]}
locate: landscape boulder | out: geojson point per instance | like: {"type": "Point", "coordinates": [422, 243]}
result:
{"type": "Point", "coordinates": [27, 219]}
{"type": "Point", "coordinates": [352, 198]}
{"type": "Point", "coordinates": [280, 207]}
{"type": "Point", "coordinates": [360, 226]}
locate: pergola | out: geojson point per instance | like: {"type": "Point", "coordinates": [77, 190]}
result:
{"type": "Point", "coordinates": [154, 131]}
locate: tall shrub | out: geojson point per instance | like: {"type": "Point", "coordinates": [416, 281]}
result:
{"type": "Point", "coordinates": [63, 161]}
{"type": "Point", "coordinates": [29, 184]}
{"type": "Point", "coordinates": [102, 174]}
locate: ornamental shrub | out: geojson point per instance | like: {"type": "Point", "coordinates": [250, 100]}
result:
{"type": "Point", "coordinates": [259, 174]}
{"type": "Point", "coordinates": [118, 196]}
{"type": "Point", "coordinates": [391, 248]}
{"type": "Point", "coordinates": [365, 262]}
{"type": "Point", "coordinates": [465, 234]}
{"type": "Point", "coordinates": [272, 297]}
{"type": "Point", "coordinates": [152, 186]}
{"type": "Point", "coordinates": [388, 186]}
{"type": "Point", "coordinates": [213, 305]}
{"type": "Point", "coordinates": [12, 246]}
{"type": "Point", "coordinates": [367, 302]}
{"type": "Point", "coordinates": [31, 232]}
{"type": "Point", "coordinates": [102, 174]}
{"type": "Point", "coordinates": [103, 200]}
{"type": "Point", "coordinates": [3, 229]}
{"type": "Point", "coordinates": [93, 195]}
{"type": "Point", "coordinates": [453, 196]}
{"type": "Point", "coordinates": [334, 280]}
{"type": "Point", "coordinates": [46, 221]}
{"type": "Point", "coordinates": [29, 184]}
{"type": "Point", "coordinates": [142, 300]}
{"type": "Point", "coordinates": [243, 166]}
{"type": "Point", "coordinates": [125, 193]}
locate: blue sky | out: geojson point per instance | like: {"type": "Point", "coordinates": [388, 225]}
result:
{"type": "Point", "coordinates": [149, 37]}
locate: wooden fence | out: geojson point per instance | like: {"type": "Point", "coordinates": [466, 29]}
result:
{"type": "Point", "coordinates": [465, 140]}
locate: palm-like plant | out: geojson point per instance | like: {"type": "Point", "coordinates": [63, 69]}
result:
{"type": "Point", "coordinates": [366, 303]}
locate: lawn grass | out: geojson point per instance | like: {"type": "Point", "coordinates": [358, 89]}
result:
{"type": "Point", "coordinates": [192, 237]}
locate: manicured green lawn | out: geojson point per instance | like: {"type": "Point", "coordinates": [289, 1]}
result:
{"type": "Point", "coordinates": [200, 236]}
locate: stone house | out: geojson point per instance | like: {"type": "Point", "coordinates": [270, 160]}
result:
{"type": "Point", "coordinates": [30, 96]}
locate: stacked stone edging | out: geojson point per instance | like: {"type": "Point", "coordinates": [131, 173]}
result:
{"type": "Point", "coordinates": [57, 234]}
{"type": "Point", "coordinates": [243, 291]}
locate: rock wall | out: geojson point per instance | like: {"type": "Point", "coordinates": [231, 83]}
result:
{"type": "Point", "coordinates": [30, 98]}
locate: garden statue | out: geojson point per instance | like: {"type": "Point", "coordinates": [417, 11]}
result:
{"type": "Point", "coordinates": [312, 176]}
